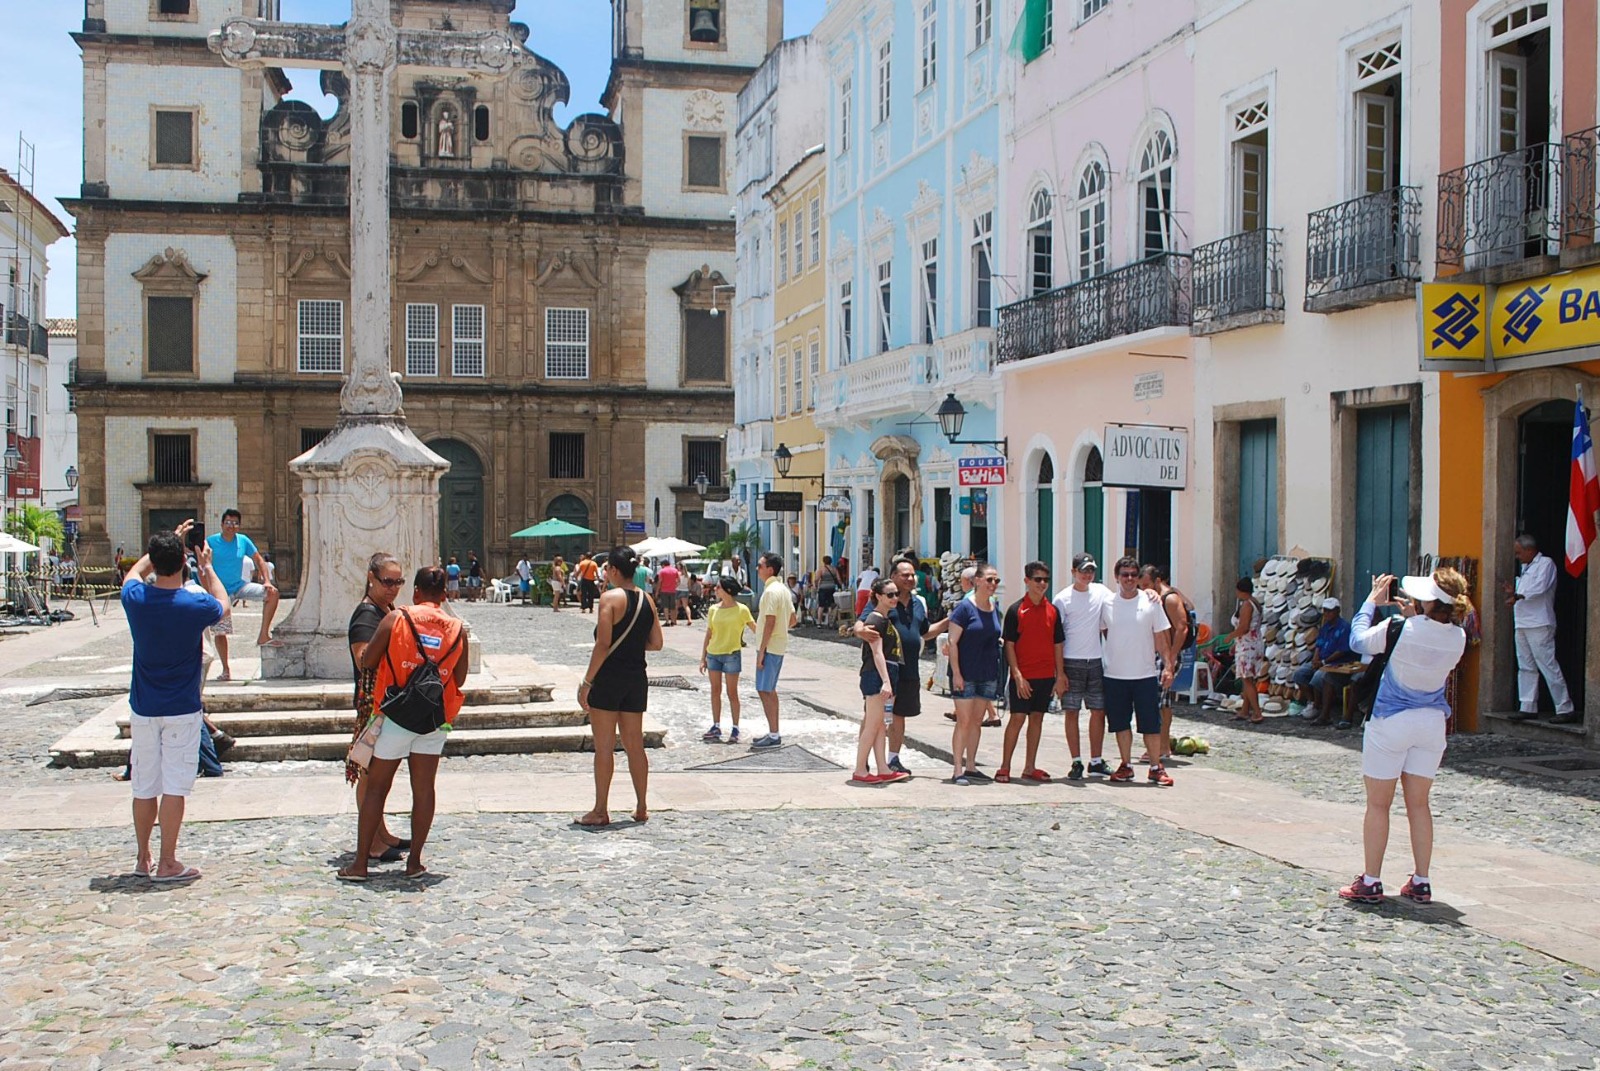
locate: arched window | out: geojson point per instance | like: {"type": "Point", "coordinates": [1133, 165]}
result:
{"type": "Point", "coordinates": [1155, 195]}
{"type": "Point", "coordinates": [1040, 244]}
{"type": "Point", "coordinates": [1093, 210]}
{"type": "Point", "coordinates": [569, 508]}
{"type": "Point", "coordinates": [408, 120]}
{"type": "Point", "coordinates": [480, 123]}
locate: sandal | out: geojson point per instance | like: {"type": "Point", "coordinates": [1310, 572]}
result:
{"type": "Point", "coordinates": [1003, 775]}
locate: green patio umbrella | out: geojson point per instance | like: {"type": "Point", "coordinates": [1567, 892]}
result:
{"type": "Point", "coordinates": [553, 527]}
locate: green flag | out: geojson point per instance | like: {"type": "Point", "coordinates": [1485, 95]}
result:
{"type": "Point", "coordinates": [1027, 40]}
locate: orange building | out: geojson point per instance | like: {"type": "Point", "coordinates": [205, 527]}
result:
{"type": "Point", "coordinates": [1513, 323]}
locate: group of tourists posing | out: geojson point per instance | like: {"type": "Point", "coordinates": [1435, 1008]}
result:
{"type": "Point", "coordinates": [1113, 650]}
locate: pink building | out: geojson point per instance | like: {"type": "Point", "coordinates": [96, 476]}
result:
{"type": "Point", "coordinates": [1097, 393]}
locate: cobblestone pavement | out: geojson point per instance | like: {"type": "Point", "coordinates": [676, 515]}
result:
{"type": "Point", "coordinates": [1045, 936]}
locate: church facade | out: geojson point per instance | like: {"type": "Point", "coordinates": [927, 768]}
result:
{"type": "Point", "coordinates": [558, 316]}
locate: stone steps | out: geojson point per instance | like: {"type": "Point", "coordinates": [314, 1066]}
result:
{"type": "Point", "coordinates": [244, 724]}
{"type": "Point", "coordinates": [224, 698]}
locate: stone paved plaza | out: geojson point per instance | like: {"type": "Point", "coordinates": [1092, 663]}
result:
{"type": "Point", "coordinates": [1051, 927]}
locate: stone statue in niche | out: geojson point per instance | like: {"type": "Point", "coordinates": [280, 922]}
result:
{"type": "Point", "coordinates": [447, 135]}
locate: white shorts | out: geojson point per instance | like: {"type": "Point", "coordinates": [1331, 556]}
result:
{"type": "Point", "coordinates": [165, 755]}
{"type": "Point", "coordinates": [1411, 741]}
{"type": "Point", "coordinates": [395, 743]}
{"type": "Point", "coordinates": [257, 592]}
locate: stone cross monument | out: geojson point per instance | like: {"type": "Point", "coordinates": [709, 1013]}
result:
{"type": "Point", "coordinates": [370, 485]}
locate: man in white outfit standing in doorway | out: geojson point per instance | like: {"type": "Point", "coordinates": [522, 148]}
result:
{"type": "Point", "coordinates": [1533, 610]}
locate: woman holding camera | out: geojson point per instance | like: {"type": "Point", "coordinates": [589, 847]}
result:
{"type": "Point", "coordinates": [1405, 737]}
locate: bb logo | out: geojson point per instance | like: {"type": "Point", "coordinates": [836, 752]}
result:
{"type": "Point", "coordinates": [1457, 326]}
{"type": "Point", "coordinates": [1522, 314]}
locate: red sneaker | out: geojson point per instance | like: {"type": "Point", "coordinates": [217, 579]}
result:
{"type": "Point", "coordinates": [1159, 776]}
{"type": "Point", "coordinates": [1363, 892]}
{"type": "Point", "coordinates": [1124, 773]}
{"type": "Point", "coordinates": [1035, 774]}
{"type": "Point", "coordinates": [1418, 892]}
{"type": "Point", "coordinates": [892, 777]}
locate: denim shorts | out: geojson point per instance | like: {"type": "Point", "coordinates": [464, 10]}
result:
{"type": "Point", "coordinates": [872, 684]}
{"type": "Point", "coordinates": [979, 690]}
{"type": "Point", "coordinates": [726, 663]}
{"type": "Point", "coordinates": [767, 674]}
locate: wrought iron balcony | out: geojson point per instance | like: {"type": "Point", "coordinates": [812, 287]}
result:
{"type": "Point", "coordinates": [1364, 250]}
{"type": "Point", "coordinates": [39, 341]}
{"type": "Point", "coordinates": [1502, 210]}
{"type": "Point", "coordinates": [1238, 281]}
{"type": "Point", "coordinates": [1581, 184]}
{"type": "Point", "coordinates": [1148, 294]}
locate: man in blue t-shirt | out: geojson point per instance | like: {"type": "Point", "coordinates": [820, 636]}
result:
{"type": "Point", "coordinates": [1313, 681]}
{"type": "Point", "coordinates": [168, 622]}
{"type": "Point", "coordinates": [229, 549]}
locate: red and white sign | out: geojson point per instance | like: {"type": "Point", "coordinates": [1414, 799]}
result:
{"type": "Point", "coordinates": [981, 471]}
{"type": "Point", "coordinates": [24, 483]}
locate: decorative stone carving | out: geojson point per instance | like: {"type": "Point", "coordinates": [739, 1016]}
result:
{"type": "Point", "coordinates": [443, 256]}
{"type": "Point", "coordinates": [170, 266]}
{"type": "Point", "coordinates": [704, 110]}
{"type": "Point", "coordinates": [568, 260]}
{"type": "Point", "coordinates": [446, 134]}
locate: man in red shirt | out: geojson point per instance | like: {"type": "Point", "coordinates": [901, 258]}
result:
{"type": "Point", "coordinates": [1033, 639]}
{"type": "Point", "coordinates": [667, 590]}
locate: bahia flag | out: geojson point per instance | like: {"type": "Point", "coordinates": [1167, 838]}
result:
{"type": "Point", "coordinates": [1584, 500]}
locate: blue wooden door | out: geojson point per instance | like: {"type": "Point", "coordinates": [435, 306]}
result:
{"type": "Point", "coordinates": [1258, 492]}
{"type": "Point", "coordinates": [1383, 493]}
{"type": "Point", "coordinates": [1094, 507]}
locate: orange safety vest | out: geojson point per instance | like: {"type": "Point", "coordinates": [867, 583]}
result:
{"type": "Point", "coordinates": [439, 632]}
{"type": "Point", "coordinates": [587, 570]}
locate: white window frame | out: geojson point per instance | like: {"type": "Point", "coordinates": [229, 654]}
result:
{"type": "Point", "coordinates": [562, 342]}
{"type": "Point", "coordinates": [982, 257]}
{"type": "Point", "coordinates": [885, 80]}
{"type": "Point", "coordinates": [797, 374]}
{"type": "Point", "coordinates": [1092, 220]}
{"type": "Point", "coordinates": [799, 226]}
{"type": "Point", "coordinates": [1047, 35]}
{"type": "Point", "coordinates": [1482, 41]}
{"type": "Point", "coordinates": [469, 351]}
{"type": "Point", "coordinates": [782, 379]}
{"type": "Point", "coordinates": [1088, 9]}
{"type": "Point", "coordinates": [1392, 33]}
{"type": "Point", "coordinates": [928, 284]}
{"type": "Point", "coordinates": [847, 324]}
{"type": "Point", "coordinates": [783, 250]}
{"type": "Point", "coordinates": [928, 44]}
{"type": "Point", "coordinates": [982, 22]}
{"type": "Point", "coordinates": [885, 304]}
{"type": "Point", "coordinates": [816, 229]}
{"type": "Point", "coordinates": [332, 337]}
{"type": "Point", "coordinates": [1041, 224]}
{"type": "Point", "coordinates": [422, 339]}
{"type": "Point", "coordinates": [846, 104]}
{"type": "Point", "coordinates": [1248, 118]}
{"type": "Point", "coordinates": [1151, 163]}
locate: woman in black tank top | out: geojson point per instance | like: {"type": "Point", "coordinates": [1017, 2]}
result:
{"type": "Point", "coordinates": [615, 690]}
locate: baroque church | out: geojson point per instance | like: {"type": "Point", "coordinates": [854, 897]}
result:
{"type": "Point", "coordinates": [560, 299]}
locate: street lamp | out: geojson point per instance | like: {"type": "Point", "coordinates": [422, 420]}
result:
{"type": "Point", "coordinates": [782, 459]}
{"type": "Point", "coordinates": [13, 457]}
{"type": "Point", "coordinates": [701, 482]}
{"type": "Point", "coordinates": [72, 477]}
{"type": "Point", "coordinates": [952, 414]}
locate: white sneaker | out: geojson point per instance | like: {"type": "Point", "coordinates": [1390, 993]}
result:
{"type": "Point", "coordinates": [1311, 712]}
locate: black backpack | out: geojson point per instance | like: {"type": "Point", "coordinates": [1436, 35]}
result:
{"type": "Point", "coordinates": [1367, 687]}
{"type": "Point", "coordinates": [418, 705]}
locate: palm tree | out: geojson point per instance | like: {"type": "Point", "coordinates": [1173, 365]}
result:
{"type": "Point", "coordinates": [745, 541]}
{"type": "Point", "coordinates": [34, 525]}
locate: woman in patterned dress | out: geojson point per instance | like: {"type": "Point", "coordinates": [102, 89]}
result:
{"type": "Point", "coordinates": [1248, 654]}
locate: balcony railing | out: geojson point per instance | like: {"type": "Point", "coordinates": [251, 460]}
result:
{"type": "Point", "coordinates": [1501, 210]}
{"type": "Point", "coordinates": [1238, 276]}
{"type": "Point", "coordinates": [1581, 182]}
{"type": "Point", "coordinates": [1148, 294]}
{"type": "Point", "coordinates": [1365, 242]}
{"type": "Point", "coordinates": [908, 378]}
{"type": "Point", "coordinates": [39, 341]}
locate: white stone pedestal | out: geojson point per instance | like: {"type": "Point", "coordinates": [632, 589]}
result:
{"type": "Point", "coordinates": [371, 485]}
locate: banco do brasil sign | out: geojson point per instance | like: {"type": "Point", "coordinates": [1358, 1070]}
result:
{"type": "Point", "coordinates": [1141, 455]}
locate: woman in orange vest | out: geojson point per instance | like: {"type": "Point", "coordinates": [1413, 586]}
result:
{"type": "Point", "coordinates": [395, 650]}
{"type": "Point", "coordinates": [615, 690]}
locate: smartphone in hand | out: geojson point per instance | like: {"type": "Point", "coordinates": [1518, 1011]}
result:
{"type": "Point", "coordinates": [196, 535]}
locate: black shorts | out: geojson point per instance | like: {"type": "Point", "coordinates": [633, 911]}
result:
{"type": "Point", "coordinates": [1130, 701]}
{"type": "Point", "coordinates": [1039, 702]}
{"type": "Point", "coordinates": [626, 692]}
{"type": "Point", "coordinates": [907, 693]}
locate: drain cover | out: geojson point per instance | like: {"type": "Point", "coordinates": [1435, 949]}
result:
{"type": "Point", "coordinates": [682, 683]}
{"type": "Point", "coordinates": [1567, 767]}
{"type": "Point", "coordinates": [790, 758]}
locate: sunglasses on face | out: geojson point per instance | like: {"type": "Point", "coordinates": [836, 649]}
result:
{"type": "Point", "coordinates": [1042, 578]}
{"type": "Point", "coordinates": [890, 593]}
{"type": "Point", "coordinates": [990, 579]}
{"type": "Point", "coordinates": [390, 583]}
{"type": "Point", "coordinates": [1127, 576]}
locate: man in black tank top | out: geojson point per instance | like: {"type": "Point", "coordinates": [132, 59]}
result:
{"type": "Point", "coordinates": [1179, 638]}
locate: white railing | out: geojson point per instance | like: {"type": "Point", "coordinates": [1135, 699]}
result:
{"type": "Point", "coordinates": [907, 379]}
{"type": "Point", "coordinates": [750, 442]}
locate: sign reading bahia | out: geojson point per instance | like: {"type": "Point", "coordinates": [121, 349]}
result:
{"type": "Point", "coordinates": [981, 471]}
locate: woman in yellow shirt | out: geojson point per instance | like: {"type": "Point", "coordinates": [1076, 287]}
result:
{"type": "Point", "coordinates": [720, 655]}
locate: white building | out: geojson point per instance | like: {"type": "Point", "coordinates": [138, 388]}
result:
{"type": "Point", "coordinates": [27, 229]}
{"type": "Point", "coordinates": [59, 446]}
{"type": "Point", "coordinates": [780, 119]}
{"type": "Point", "coordinates": [1314, 170]}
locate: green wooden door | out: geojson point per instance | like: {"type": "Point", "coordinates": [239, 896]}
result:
{"type": "Point", "coordinates": [460, 501]}
{"type": "Point", "coordinates": [1258, 493]}
{"type": "Point", "coordinates": [1045, 510]}
{"type": "Point", "coordinates": [1383, 492]}
{"type": "Point", "coordinates": [1094, 507]}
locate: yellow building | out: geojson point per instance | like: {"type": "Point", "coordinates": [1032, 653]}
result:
{"type": "Point", "coordinates": [799, 353]}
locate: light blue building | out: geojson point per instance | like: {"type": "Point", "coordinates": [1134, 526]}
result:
{"type": "Point", "coordinates": [913, 187]}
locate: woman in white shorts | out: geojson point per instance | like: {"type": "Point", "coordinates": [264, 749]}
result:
{"type": "Point", "coordinates": [1405, 737]}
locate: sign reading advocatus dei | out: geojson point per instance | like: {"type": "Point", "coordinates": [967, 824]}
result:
{"type": "Point", "coordinates": [1140, 455]}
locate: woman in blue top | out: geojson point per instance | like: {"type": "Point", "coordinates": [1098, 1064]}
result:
{"type": "Point", "coordinates": [974, 669]}
{"type": "Point", "coordinates": [1405, 736]}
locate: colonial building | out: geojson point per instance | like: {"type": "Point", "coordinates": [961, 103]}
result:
{"type": "Point", "coordinates": [1512, 321]}
{"type": "Point", "coordinates": [59, 445]}
{"type": "Point", "coordinates": [556, 288]}
{"type": "Point", "coordinates": [913, 196]}
{"type": "Point", "coordinates": [27, 229]}
{"type": "Point", "coordinates": [780, 120]}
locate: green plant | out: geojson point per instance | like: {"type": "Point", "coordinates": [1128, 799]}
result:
{"type": "Point", "coordinates": [745, 541]}
{"type": "Point", "coordinates": [34, 525]}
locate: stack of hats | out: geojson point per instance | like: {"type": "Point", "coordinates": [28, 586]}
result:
{"type": "Point", "coordinates": [1291, 591]}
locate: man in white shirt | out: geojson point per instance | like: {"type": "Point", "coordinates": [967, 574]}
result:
{"type": "Point", "coordinates": [1133, 626]}
{"type": "Point", "coordinates": [524, 578]}
{"type": "Point", "coordinates": [1080, 604]}
{"type": "Point", "coordinates": [1533, 611]}
{"type": "Point", "coordinates": [864, 582]}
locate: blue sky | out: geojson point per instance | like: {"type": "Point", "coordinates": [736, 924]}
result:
{"type": "Point", "coordinates": [41, 81]}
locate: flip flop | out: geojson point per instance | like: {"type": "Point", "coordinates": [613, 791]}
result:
{"type": "Point", "coordinates": [343, 876]}
{"type": "Point", "coordinates": [413, 875]}
{"type": "Point", "coordinates": [274, 642]}
{"type": "Point", "coordinates": [188, 873]}
{"type": "Point", "coordinates": [390, 855]}
{"type": "Point", "coordinates": [139, 872]}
